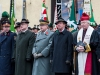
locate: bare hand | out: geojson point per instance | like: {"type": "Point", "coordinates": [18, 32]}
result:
{"type": "Point", "coordinates": [99, 60]}
{"type": "Point", "coordinates": [35, 55]}
{"type": "Point", "coordinates": [80, 49]}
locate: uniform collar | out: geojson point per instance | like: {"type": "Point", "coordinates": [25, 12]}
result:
{"type": "Point", "coordinates": [45, 31]}
{"type": "Point", "coordinates": [6, 33]}
{"type": "Point", "coordinates": [63, 30]}
{"type": "Point", "coordinates": [25, 30]}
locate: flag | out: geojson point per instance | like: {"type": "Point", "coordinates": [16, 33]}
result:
{"type": "Point", "coordinates": [92, 21]}
{"type": "Point", "coordinates": [55, 15]}
{"type": "Point", "coordinates": [59, 7]}
{"type": "Point", "coordinates": [12, 18]}
{"type": "Point", "coordinates": [44, 15]}
{"type": "Point", "coordinates": [72, 20]}
{"type": "Point", "coordinates": [80, 13]}
{"type": "Point", "coordinates": [55, 18]}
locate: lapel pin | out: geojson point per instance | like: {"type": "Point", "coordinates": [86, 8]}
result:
{"type": "Point", "coordinates": [46, 33]}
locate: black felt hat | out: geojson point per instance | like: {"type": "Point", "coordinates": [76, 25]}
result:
{"type": "Point", "coordinates": [50, 25]}
{"type": "Point", "coordinates": [17, 25]}
{"type": "Point", "coordinates": [61, 20]}
{"type": "Point", "coordinates": [25, 21]}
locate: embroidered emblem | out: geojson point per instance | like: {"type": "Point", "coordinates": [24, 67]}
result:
{"type": "Point", "coordinates": [87, 36]}
{"type": "Point", "coordinates": [46, 33]}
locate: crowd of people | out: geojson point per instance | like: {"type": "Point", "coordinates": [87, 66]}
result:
{"type": "Point", "coordinates": [44, 51]}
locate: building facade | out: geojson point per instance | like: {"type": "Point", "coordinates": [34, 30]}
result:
{"type": "Point", "coordinates": [34, 8]}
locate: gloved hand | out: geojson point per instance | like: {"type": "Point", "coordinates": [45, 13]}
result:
{"type": "Point", "coordinates": [80, 49]}
{"type": "Point", "coordinates": [28, 59]}
{"type": "Point", "coordinates": [37, 55]}
{"type": "Point", "coordinates": [51, 61]}
{"type": "Point", "coordinates": [99, 60]}
{"type": "Point", "coordinates": [68, 62]}
{"type": "Point", "coordinates": [13, 60]}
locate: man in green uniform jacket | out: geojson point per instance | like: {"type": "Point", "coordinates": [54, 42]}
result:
{"type": "Point", "coordinates": [23, 53]}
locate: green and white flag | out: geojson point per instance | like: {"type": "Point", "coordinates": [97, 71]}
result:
{"type": "Point", "coordinates": [12, 18]}
{"type": "Point", "coordinates": [72, 20]}
{"type": "Point", "coordinates": [92, 21]}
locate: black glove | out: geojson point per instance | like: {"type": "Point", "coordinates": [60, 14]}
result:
{"type": "Point", "coordinates": [68, 62]}
{"type": "Point", "coordinates": [13, 60]}
{"type": "Point", "coordinates": [51, 61]}
{"type": "Point", "coordinates": [28, 59]}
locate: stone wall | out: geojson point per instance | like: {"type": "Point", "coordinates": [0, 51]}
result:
{"type": "Point", "coordinates": [96, 10]}
{"type": "Point", "coordinates": [34, 8]}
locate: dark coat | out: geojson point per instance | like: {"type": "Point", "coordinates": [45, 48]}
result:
{"type": "Point", "coordinates": [61, 51]}
{"type": "Point", "coordinates": [6, 48]}
{"type": "Point", "coordinates": [98, 51]}
{"type": "Point", "coordinates": [98, 48]}
{"type": "Point", "coordinates": [24, 45]}
{"type": "Point", "coordinates": [74, 34]}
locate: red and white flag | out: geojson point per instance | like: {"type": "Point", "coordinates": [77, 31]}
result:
{"type": "Point", "coordinates": [44, 15]}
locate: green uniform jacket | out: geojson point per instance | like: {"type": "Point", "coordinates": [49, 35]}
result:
{"type": "Point", "coordinates": [24, 45]}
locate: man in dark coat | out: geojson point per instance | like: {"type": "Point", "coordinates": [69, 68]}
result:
{"type": "Point", "coordinates": [98, 50]}
{"type": "Point", "coordinates": [35, 30]}
{"type": "Point", "coordinates": [0, 26]}
{"type": "Point", "coordinates": [61, 50]}
{"type": "Point", "coordinates": [51, 26]}
{"type": "Point", "coordinates": [7, 42]}
{"type": "Point", "coordinates": [17, 27]}
{"type": "Point", "coordinates": [23, 54]}
{"type": "Point", "coordinates": [78, 27]}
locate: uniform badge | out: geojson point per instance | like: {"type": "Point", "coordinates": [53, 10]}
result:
{"type": "Point", "coordinates": [46, 33]}
{"type": "Point", "coordinates": [87, 36]}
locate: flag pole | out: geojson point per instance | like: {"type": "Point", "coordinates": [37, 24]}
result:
{"type": "Point", "coordinates": [10, 9]}
{"type": "Point", "coordinates": [53, 4]}
{"type": "Point", "coordinates": [76, 5]}
{"type": "Point", "coordinates": [24, 9]}
{"type": "Point", "coordinates": [59, 8]}
{"type": "Point", "coordinates": [76, 12]}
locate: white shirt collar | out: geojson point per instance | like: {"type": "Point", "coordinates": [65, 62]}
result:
{"type": "Point", "coordinates": [25, 30]}
{"type": "Point", "coordinates": [63, 30]}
